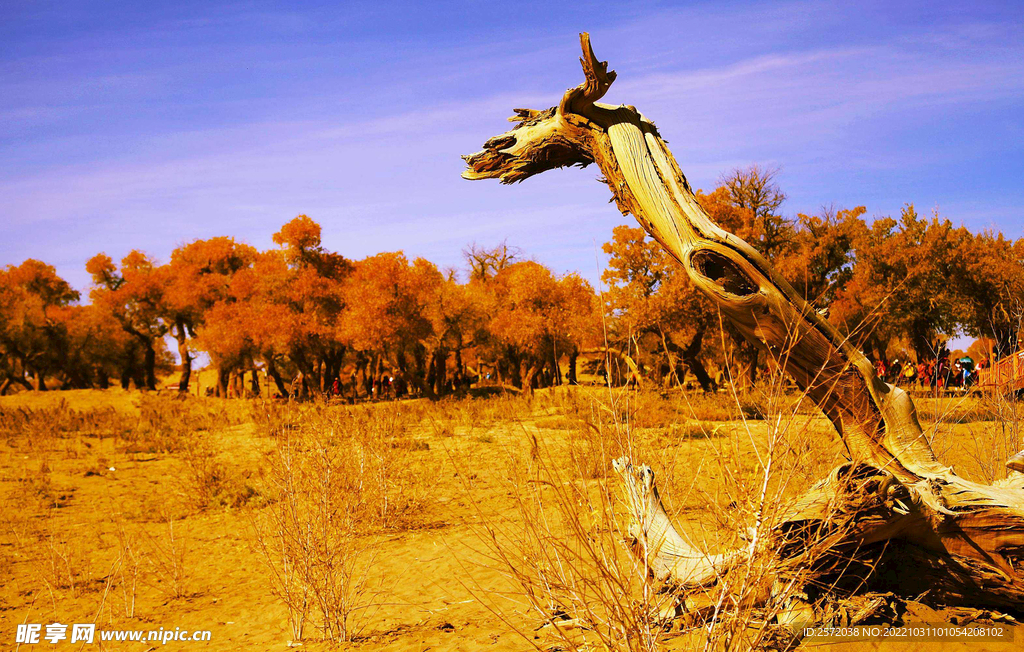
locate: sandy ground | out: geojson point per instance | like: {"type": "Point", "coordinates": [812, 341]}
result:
{"type": "Point", "coordinates": [64, 501]}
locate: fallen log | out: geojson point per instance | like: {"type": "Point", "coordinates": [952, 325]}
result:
{"type": "Point", "coordinates": [923, 525]}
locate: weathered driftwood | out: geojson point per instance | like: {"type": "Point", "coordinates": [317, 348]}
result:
{"type": "Point", "coordinates": [930, 528]}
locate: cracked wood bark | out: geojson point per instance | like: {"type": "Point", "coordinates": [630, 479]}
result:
{"type": "Point", "coordinates": [966, 539]}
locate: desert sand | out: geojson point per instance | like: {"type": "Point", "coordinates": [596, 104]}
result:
{"type": "Point", "coordinates": [84, 472]}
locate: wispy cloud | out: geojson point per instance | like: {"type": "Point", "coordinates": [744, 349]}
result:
{"type": "Point", "coordinates": [177, 146]}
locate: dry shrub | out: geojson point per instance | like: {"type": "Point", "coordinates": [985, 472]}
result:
{"type": "Point", "coordinates": [19, 527]}
{"type": "Point", "coordinates": [46, 428]}
{"type": "Point", "coordinates": [208, 481]}
{"type": "Point", "coordinates": [36, 488]}
{"type": "Point", "coordinates": [7, 557]}
{"type": "Point", "coordinates": [695, 430]}
{"type": "Point", "coordinates": [969, 408]}
{"type": "Point", "coordinates": [55, 561]}
{"type": "Point", "coordinates": [394, 481]}
{"type": "Point", "coordinates": [169, 558]}
{"type": "Point", "coordinates": [413, 410]}
{"type": "Point", "coordinates": [204, 475]}
{"type": "Point", "coordinates": [334, 483]}
{"type": "Point", "coordinates": [591, 451]}
{"type": "Point", "coordinates": [568, 552]}
{"type": "Point", "coordinates": [506, 407]}
{"type": "Point", "coordinates": [556, 423]}
{"type": "Point", "coordinates": [274, 416]}
{"type": "Point", "coordinates": [165, 424]}
{"type": "Point", "coordinates": [647, 409]}
{"type": "Point", "coordinates": [975, 434]}
{"type": "Point", "coordinates": [60, 562]}
{"type": "Point", "coordinates": [451, 416]}
{"type": "Point", "coordinates": [651, 408]}
{"type": "Point", "coordinates": [600, 436]}
{"type": "Point", "coordinates": [130, 559]}
{"type": "Point", "coordinates": [442, 425]}
{"type": "Point", "coordinates": [561, 549]}
{"type": "Point", "coordinates": [725, 406]}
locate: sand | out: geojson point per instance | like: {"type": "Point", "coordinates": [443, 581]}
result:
{"type": "Point", "coordinates": [65, 499]}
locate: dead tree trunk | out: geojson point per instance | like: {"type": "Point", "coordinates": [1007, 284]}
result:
{"type": "Point", "coordinates": [963, 539]}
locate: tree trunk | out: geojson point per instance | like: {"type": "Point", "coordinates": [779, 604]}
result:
{"type": "Point", "coordinates": [749, 355]}
{"type": "Point", "coordinates": [272, 371]}
{"type": "Point", "coordinates": [530, 376]}
{"type": "Point", "coordinates": [671, 357]}
{"type": "Point", "coordinates": [21, 380]}
{"type": "Point", "coordinates": [440, 371]}
{"type": "Point", "coordinates": [460, 367]}
{"type": "Point", "coordinates": [922, 344]}
{"type": "Point", "coordinates": [186, 358]}
{"type": "Point", "coordinates": [963, 539]}
{"type": "Point", "coordinates": [556, 368]}
{"type": "Point", "coordinates": [334, 362]}
{"type": "Point", "coordinates": [139, 378]}
{"type": "Point", "coordinates": [691, 356]}
{"type": "Point", "coordinates": [308, 372]}
{"type": "Point", "coordinates": [223, 379]}
{"type": "Point", "coordinates": [429, 386]}
{"type": "Point", "coordinates": [514, 368]}
{"type": "Point", "coordinates": [572, 366]}
{"type": "Point", "coordinates": [149, 362]}
{"type": "Point", "coordinates": [419, 368]}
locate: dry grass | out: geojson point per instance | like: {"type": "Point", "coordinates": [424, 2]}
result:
{"type": "Point", "coordinates": [169, 558]}
{"type": "Point", "coordinates": [364, 523]}
{"type": "Point", "coordinates": [729, 472]}
{"type": "Point", "coordinates": [335, 481]}
{"type": "Point", "coordinates": [974, 434]}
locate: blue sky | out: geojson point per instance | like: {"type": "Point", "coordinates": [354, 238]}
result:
{"type": "Point", "coordinates": [146, 125]}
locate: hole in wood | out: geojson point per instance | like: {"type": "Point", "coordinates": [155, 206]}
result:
{"type": "Point", "coordinates": [724, 272]}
